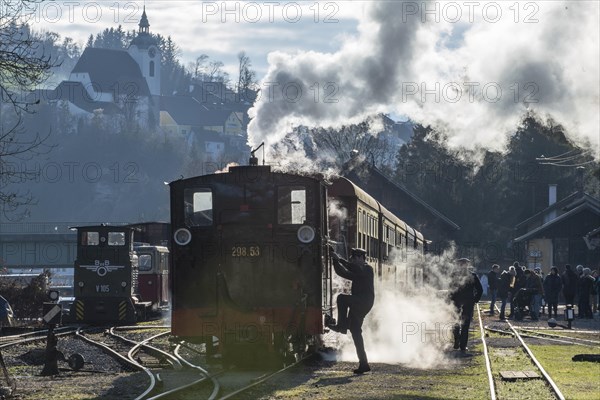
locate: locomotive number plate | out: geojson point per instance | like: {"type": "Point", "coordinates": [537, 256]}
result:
{"type": "Point", "coordinates": [102, 288]}
{"type": "Point", "coordinates": [245, 251]}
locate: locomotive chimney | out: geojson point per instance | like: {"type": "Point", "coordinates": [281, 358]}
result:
{"type": "Point", "coordinates": [551, 194]}
{"type": "Point", "coordinates": [551, 201]}
{"type": "Point", "coordinates": [253, 160]}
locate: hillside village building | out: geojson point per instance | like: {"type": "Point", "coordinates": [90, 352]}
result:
{"type": "Point", "coordinates": [125, 86]}
{"type": "Point", "coordinates": [566, 232]}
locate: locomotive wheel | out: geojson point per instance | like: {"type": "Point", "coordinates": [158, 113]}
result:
{"type": "Point", "coordinates": [284, 355]}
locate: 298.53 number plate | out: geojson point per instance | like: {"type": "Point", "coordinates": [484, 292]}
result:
{"type": "Point", "coordinates": [245, 251]}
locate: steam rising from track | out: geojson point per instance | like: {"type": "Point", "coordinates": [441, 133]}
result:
{"type": "Point", "coordinates": [411, 326]}
{"type": "Point", "coordinates": [464, 77]}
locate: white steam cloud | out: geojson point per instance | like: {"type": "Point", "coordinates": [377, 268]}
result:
{"type": "Point", "coordinates": [471, 69]}
{"type": "Point", "coordinates": [410, 325]}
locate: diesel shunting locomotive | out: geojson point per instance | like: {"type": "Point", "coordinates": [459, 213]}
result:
{"type": "Point", "coordinates": [110, 285]}
{"type": "Point", "coordinates": [250, 260]}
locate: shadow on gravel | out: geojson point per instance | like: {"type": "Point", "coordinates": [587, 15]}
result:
{"type": "Point", "coordinates": [335, 381]}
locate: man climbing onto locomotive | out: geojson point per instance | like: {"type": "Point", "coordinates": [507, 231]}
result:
{"type": "Point", "coordinates": [353, 308]}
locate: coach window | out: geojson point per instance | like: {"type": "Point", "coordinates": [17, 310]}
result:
{"type": "Point", "coordinates": [145, 262]}
{"type": "Point", "coordinates": [291, 205]}
{"type": "Point", "coordinates": [90, 238]}
{"type": "Point", "coordinates": [198, 207]}
{"type": "Point", "coordinates": [116, 238]}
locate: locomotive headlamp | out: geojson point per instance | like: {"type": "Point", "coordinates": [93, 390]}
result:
{"type": "Point", "coordinates": [182, 236]}
{"type": "Point", "coordinates": [306, 234]}
{"type": "Point", "coordinates": [80, 284]}
{"type": "Point", "coordinates": [123, 284]}
{"type": "Point", "coordinates": [53, 295]}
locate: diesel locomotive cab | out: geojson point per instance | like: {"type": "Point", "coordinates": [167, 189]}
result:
{"type": "Point", "coordinates": [106, 276]}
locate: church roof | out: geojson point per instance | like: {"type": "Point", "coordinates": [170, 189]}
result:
{"type": "Point", "coordinates": [186, 110]}
{"type": "Point", "coordinates": [143, 41]}
{"type": "Point", "coordinates": [75, 93]}
{"type": "Point", "coordinates": [112, 71]}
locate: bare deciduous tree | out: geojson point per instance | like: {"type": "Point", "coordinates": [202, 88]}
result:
{"type": "Point", "coordinates": [24, 65]}
{"type": "Point", "coordinates": [246, 76]}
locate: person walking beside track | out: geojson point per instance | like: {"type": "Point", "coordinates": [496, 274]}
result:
{"type": "Point", "coordinates": [504, 287]}
{"type": "Point", "coordinates": [493, 285]}
{"type": "Point", "coordinates": [466, 291]}
{"type": "Point", "coordinates": [352, 309]}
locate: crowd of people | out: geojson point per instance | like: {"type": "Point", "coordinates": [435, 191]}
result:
{"type": "Point", "coordinates": [522, 288]}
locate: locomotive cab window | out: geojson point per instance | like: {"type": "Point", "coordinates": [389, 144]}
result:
{"type": "Point", "coordinates": [145, 262]}
{"type": "Point", "coordinates": [291, 205]}
{"type": "Point", "coordinates": [198, 207]}
{"type": "Point", "coordinates": [116, 238]}
{"type": "Point", "coordinates": [90, 238]}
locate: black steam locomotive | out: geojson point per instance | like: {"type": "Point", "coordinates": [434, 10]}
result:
{"type": "Point", "coordinates": [250, 260]}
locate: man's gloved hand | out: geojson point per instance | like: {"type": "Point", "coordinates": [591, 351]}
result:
{"type": "Point", "coordinates": [332, 252]}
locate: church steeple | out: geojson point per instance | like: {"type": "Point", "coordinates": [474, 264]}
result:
{"type": "Point", "coordinates": [144, 24]}
{"type": "Point", "coordinates": [145, 51]}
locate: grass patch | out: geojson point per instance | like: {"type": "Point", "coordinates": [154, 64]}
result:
{"type": "Point", "coordinates": [515, 359]}
{"type": "Point", "coordinates": [576, 380]}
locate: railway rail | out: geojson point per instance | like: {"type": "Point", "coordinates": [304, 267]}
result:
{"type": "Point", "coordinates": [553, 391]}
{"type": "Point", "coordinates": [213, 382]}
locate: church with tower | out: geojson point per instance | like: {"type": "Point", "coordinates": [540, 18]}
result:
{"type": "Point", "coordinates": [121, 90]}
{"type": "Point", "coordinates": [117, 82]}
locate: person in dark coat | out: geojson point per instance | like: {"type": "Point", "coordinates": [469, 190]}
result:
{"type": "Point", "coordinates": [586, 284]}
{"type": "Point", "coordinates": [352, 309]}
{"type": "Point", "coordinates": [534, 287]}
{"type": "Point", "coordinates": [493, 286]}
{"type": "Point", "coordinates": [569, 281]}
{"type": "Point", "coordinates": [504, 288]}
{"type": "Point", "coordinates": [518, 283]}
{"type": "Point", "coordinates": [552, 287]}
{"type": "Point", "coordinates": [466, 292]}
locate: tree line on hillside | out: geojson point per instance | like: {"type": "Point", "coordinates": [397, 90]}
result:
{"type": "Point", "coordinates": [487, 194]}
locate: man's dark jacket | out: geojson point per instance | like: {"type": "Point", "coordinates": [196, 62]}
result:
{"type": "Point", "coordinates": [362, 278]}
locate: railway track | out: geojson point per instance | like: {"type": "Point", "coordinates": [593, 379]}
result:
{"type": "Point", "coordinates": [212, 382]}
{"type": "Point", "coordinates": [519, 365]}
{"type": "Point", "coordinates": [137, 355]}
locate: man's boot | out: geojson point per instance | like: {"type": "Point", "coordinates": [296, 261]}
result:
{"type": "Point", "coordinates": [456, 333]}
{"type": "Point", "coordinates": [362, 368]}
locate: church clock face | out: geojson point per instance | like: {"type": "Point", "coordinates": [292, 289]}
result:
{"type": "Point", "coordinates": [152, 52]}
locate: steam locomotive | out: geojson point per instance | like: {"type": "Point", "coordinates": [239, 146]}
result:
{"type": "Point", "coordinates": [251, 269]}
{"type": "Point", "coordinates": [116, 279]}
